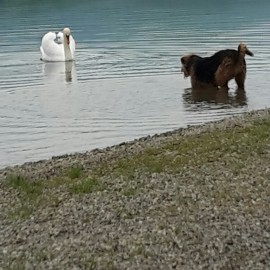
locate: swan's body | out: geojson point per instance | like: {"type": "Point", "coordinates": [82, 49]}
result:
{"type": "Point", "coordinates": [58, 46]}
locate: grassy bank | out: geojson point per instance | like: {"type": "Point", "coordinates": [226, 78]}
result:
{"type": "Point", "coordinates": [191, 199]}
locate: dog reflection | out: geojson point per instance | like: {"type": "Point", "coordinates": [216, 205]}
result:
{"type": "Point", "coordinates": [215, 95]}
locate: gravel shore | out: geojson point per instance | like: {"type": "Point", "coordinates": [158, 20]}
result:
{"type": "Point", "coordinates": [193, 198]}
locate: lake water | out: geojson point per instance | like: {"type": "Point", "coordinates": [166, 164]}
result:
{"type": "Point", "coordinates": [126, 81]}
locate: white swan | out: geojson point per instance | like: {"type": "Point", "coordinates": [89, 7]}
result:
{"type": "Point", "coordinates": [58, 46]}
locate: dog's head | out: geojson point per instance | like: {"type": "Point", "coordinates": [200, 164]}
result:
{"type": "Point", "coordinates": [242, 49]}
{"type": "Point", "coordinates": [187, 63]}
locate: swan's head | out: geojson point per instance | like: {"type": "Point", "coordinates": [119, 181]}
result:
{"type": "Point", "coordinates": [66, 32]}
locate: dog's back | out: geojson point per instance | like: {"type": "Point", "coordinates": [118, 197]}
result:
{"type": "Point", "coordinates": [205, 68]}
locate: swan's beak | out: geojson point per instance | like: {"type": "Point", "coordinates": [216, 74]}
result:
{"type": "Point", "coordinates": [67, 39]}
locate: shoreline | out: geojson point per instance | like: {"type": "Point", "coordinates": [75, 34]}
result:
{"type": "Point", "coordinates": [193, 198]}
{"type": "Point", "coordinates": [146, 141]}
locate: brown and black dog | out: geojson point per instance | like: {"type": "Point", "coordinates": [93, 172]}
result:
{"type": "Point", "coordinates": [218, 69]}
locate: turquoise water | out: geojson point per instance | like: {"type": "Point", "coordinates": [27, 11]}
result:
{"type": "Point", "coordinates": [126, 80]}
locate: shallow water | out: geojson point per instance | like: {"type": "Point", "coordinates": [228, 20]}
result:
{"type": "Point", "coordinates": [126, 80]}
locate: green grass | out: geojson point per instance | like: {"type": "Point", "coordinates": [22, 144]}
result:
{"type": "Point", "coordinates": [130, 192]}
{"type": "Point", "coordinates": [34, 194]}
{"type": "Point", "coordinates": [200, 149]}
{"type": "Point", "coordinates": [33, 189]}
{"type": "Point", "coordinates": [74, 172]}
{"type": "Point", "coordinates": [22, 212]}
{"type": "Point", "coordinates": [30, 189]}
{"type": "Point", "coordinates": [84, 186]}
{"type": "Point", "coordinates": [17, 263]}
{"type": "Point", "coordinates": [55, 182]}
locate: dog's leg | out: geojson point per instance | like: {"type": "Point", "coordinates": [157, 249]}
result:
{"type": "Point", "coordinates": [194, 83]}
{"type": "Point", "coordinates": [240, 80]}
{"type": "Point", "coordinates": [222, 77]}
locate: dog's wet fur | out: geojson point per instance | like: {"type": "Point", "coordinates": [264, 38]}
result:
{"type": "Point", "coordinates": [218, 69]}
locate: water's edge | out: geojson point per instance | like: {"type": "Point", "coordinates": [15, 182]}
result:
{"type": "Point", "coordinates": [49, 167]}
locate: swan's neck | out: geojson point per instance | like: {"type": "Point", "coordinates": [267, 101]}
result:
{"type": "Point", "coordinates": [67, 50]}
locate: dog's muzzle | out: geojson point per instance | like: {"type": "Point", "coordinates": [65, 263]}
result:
{"type": "Point", "coordinates": [248, 52]}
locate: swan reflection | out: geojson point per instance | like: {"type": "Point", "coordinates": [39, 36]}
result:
{"type": "Point", "coordinates": [59, 71]}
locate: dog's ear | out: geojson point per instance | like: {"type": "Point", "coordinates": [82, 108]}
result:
{"type": "Point", "coordinates": [183, 60]}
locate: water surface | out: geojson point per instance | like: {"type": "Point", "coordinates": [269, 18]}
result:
{"type": "Point", "coordinates": [126, 80]}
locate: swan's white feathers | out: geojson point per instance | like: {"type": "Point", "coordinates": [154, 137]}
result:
{"type": "Point", "coordinates": [52, 48]}
{"type": "Point", "coordinates": [59, 38]}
